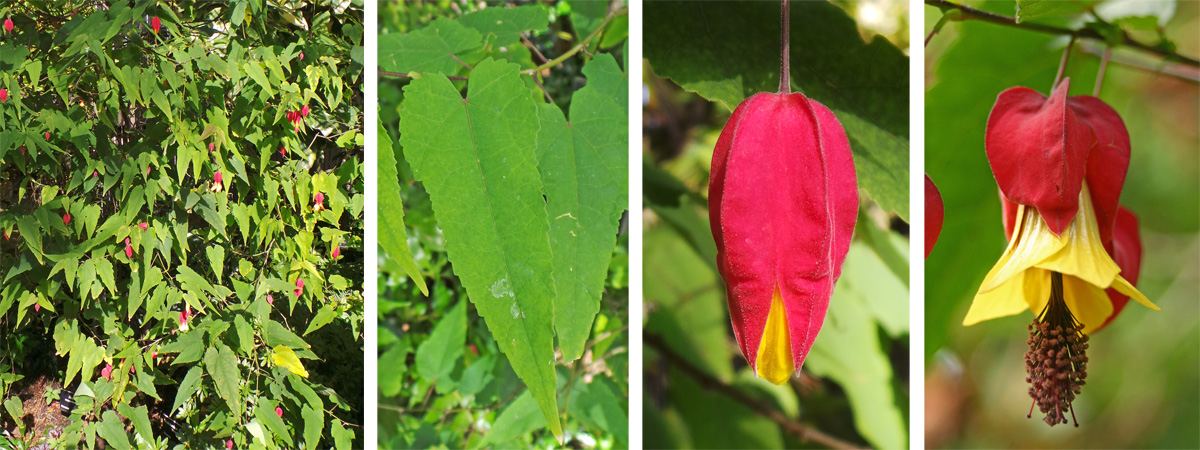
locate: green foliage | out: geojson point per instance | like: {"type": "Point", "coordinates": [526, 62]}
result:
{"type": "Point", "coordinates": [728, 51]}
{"type": "Point", "coordinates": [852, 383]}
{"type": "Point", "coordinates": [976, 377]}
{"type": "Point", "coordinates": [157, 195]}
{"type": "Point", "coordinates": [516, 205]}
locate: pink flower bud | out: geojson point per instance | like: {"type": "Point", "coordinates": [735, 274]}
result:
{"type": "Point", "coordinates": [47, 135]}
{"type": "Point", "coordinates": [299, 287]}
{"type": "Point", "coordinates": [8, 25]}
{"type": "Point", "coordinates": [337, 251]}
{"type": "Point", "coordinates": [37, 307]}
{"type": "Point", "coordinates": [107, 372]}
{"type": "Point", "coordinates": [270, 300]}
{"type": "Point", "coordinates": [155, 24]}
{"type": "Point", "coordinates": [67, 219]}
{"type": "Point", "coordinates": [3, 95]}
{"type": "Point", "coordinates": [217, 178]}
{"type": "Point", "coordinates": [95, 174]}
{"type": "Point", "coordinates": [211, 146]}
{"type": "Point", "coordinates": [297, 129]}
{"type": "Point", "coordinates": [143, 226]}
{"type": "Point", "coordinates": [229, 444]}
{"type": "Point", "coordinates": [279, 411]}
{"type": "Point", "coordinates": [304, 111]}
{"type": "Point", "coordinates": [283, 151]}
{"type": "Point", "coordinates": [302, 56]}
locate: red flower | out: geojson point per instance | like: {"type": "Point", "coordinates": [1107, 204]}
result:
{"type": "Point", "coordinates": [3, 95]}
{"type": "Point", "coordinates": [304, 111]}
{"type": "Point", "coordinates": [337, 250]}
{"type": "Point", "coordinates": [279, 411]}
{"type": "Point", "coordinates": [8, 25]}
{"type": "Point", "coordinates": [106, 372]}
{"type": "Point", "coordinates": [155, 24]}
{"type": "Point", "coordinates": [934, 213]}
{"type": "Point", "coordinates": [299, 287]}
{"type": "Point", "coordinates": [318, 201]}
{"type": "Point", "coordinates": [270, 300]}
{"type": "Point", "coordinates": [47, 135]}
{"type": "Point", "coordinates": [143, 226]}
{"type": "Point", "coordinates": [211, 146]}
{"type": "Point", "coordinates": [67, 219]}
{"type": "Point", "coordinates": [128, 249]}
{"type": "Point", "coordinates": [783, 201]}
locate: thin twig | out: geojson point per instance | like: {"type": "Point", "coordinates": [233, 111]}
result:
{"type": "Point", "coordinates": [1062, 65]}
{"type": "Point", "coordinates": [1103, 68]}
{"type": "Point", "coordinates": [969, 13]}
{"type": "Point", "coordinates": [525, 40]}
{"type": "Point", "coordinates": [804, 432]}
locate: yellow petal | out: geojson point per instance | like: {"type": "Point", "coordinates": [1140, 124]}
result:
{"type": "Point", "coordinates": [1122, 285]}
{"type": "Point", "coordinates": [1088, 303]}
{"type": "Point", "coordinates": [1084, 255]}
{"type": "Point", "coordinates": [1012, 297]}
{"type": "Point", "coordinates": [774, 361]}
{"type": "Point", "coordinates": [1032, 243]}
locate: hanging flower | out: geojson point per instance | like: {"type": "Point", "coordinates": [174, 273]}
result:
{"type": "Point", "coordinates": [783, 202]}
{"type": "Point", "coordinates": [1060, 164]}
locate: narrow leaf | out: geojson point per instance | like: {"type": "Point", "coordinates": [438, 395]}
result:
{"type": "Point", "coordinates": [392, 235]}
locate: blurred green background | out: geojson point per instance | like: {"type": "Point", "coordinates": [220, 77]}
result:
{"type": "Point", "coordinates": [1143, 388]}
{"type": "Point", "coordinates": [854, 384]}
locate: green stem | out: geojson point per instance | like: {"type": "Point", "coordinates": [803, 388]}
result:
{"type": "Point", "coordinates": [578, 47]}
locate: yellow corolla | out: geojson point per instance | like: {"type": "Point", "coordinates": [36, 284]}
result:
{"type": "Point", "coordinates": [1021, 279]}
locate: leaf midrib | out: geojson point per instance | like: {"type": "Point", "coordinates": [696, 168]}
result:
{"type": "Point", "coordinates": [503, 252]}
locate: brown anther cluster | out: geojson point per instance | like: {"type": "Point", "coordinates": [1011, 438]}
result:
{"type": "Point", "coordinates": [1057, 358]}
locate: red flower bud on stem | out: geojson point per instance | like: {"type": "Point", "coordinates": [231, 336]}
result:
{"type": "Point", "coordinates": [783, 201]}
{"type": "Point", "coordinates": [155, 24]}
{"type": "Point", "coordinates": [8, 25]}
{"type": "Point", "coordinates": [934, 213]}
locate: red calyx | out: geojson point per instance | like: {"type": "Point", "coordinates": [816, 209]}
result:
{"type": "Point", "coordinates": [299, 287]}
{"type": "Point", "coordinates": [783, 202]}
{"type": "Point", "coordinates": [279, 411]}
{"type": "Point", "coordinates": [304, 111]}
{"type": "Point", "coordinates": [155, 24]}
{"type": "Point", "coordinates": [67, 219]}
{"type": "Point", "coordinates": [1126, 251]}
{"type": "Point", "coordinates": [143, 226]}
{"type": "Point", "coordinates": [3, 95]}
{"type": "Point", "coordinates": [934, 213]}
{"type": "Point", "coordinates": [8, 25]}
{"type": "Point", "coordinates": [1042, 149]}
{"type": "Point", "coordinates": [47, 135]}
{"type": "Point", "coordinates": [211, 146]}
{"type": "Point", "coordinates": [107, 372]}
{"type": "Point", "coordinates": [336, 252]}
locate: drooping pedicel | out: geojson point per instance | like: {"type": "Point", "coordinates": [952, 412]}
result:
{"type": "Point", "coordinates": [783, 200]}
